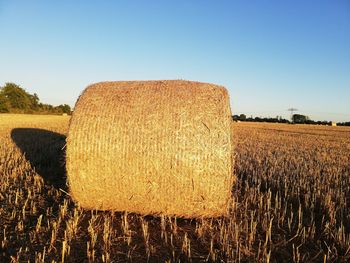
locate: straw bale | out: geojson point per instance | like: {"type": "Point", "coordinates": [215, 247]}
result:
{"type": "Point", "coordinates": [152, 147]}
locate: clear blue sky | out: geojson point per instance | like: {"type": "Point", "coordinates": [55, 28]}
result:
{"type": "Point", "coordinates": [271, 55]}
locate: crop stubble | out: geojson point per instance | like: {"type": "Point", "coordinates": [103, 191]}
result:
{"type": "Point", "coordinates": [292, 200]}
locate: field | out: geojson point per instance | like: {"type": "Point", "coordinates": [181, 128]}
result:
{"type": "Point", "coordinates": [292, 202]}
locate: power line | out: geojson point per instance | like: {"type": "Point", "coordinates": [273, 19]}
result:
{"type": "Point", "coordinates": [306, 111]}
{"type": "Point", "coordinates": [292, 110]}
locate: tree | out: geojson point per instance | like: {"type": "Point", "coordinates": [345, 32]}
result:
{"type": "Point", "coordinates": [34, 101]}
{"type": "Point", "coordinates": [242, 117]}
{"type": "Point", "coordinates": [17, 97]}
{"type": "Point", "coordinates": [235, 117]}
{"type": "Point", "coordinates": [4, 104]}
{"type": "Point", "coordinates": [298, 118]}
{"type": "Point", "coordinates": [64, 108]}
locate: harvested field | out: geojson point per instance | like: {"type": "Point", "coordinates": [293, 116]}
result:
{"type": "Point", "coordinates": [292, 199]}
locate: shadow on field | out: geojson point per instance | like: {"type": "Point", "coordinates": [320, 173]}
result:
{"type": "Point", "coordinates": [44, 150]}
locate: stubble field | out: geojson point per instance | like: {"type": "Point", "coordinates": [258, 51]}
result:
{"type": "Point", "coordinates": [292, 202]}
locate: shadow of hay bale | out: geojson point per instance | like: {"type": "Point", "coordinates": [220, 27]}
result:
{"type": "Point", "coordinates": [44, 150]}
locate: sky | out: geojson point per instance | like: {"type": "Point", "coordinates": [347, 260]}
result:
{"type": "Point", "coordinates": [270, 55]}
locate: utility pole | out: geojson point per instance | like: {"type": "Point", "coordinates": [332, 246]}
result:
{"type": "Point", "coordinates": [292, 110]}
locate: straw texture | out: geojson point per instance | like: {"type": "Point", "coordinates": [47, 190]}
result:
{"type": "Point", "coordinates": [152, 147]}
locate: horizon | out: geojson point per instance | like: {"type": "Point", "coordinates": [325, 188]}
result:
{"type": "Point", "coordinates": [270, 56]}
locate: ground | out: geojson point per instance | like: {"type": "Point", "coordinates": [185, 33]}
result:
{"type": "Point", "coordinates": [292, 202]}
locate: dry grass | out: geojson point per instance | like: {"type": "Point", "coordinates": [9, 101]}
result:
{"type": "Point", "coordinates": [292, 202]}
{"type": "Point", "coordinates": [152, 147]}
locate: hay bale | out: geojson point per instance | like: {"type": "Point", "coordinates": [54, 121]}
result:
{"type": "Point", "coordinates": [152, 147]}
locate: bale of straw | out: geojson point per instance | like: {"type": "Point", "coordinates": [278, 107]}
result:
{"type": "Point", "coordinates": [152, 147]}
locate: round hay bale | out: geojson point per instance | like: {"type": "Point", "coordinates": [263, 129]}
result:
{"type": "Point", "coordinates": [152, 147]}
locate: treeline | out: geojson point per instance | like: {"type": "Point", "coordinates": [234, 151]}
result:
{"type": "Point", "coordinates": [243, 117]}
{"type": "Point", "coordinates": [347, 123]}
{"type": "Point", "coordinates": [296, 118]}
{"type": "Point", "coordinates": [14, 99]}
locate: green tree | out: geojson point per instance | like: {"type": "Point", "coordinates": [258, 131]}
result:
{"type": "Point", "coordinates": [298, 118]}
{"type": "Point", "coordinates": [34, 101]}
{"type": "Point", "coordinates": [4, 104]}
{"type": "Point", "coordinates": [242, 117]}
{"type": "Point", "coordinates": [17, 97]}
{"type": "Point", "coordinates": [64, 108]}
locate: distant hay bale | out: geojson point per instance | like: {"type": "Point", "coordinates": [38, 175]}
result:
{"type": "Point", "coordinates": [152, 147]}
{"type": "Point", "coordinates": [64, 114]}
